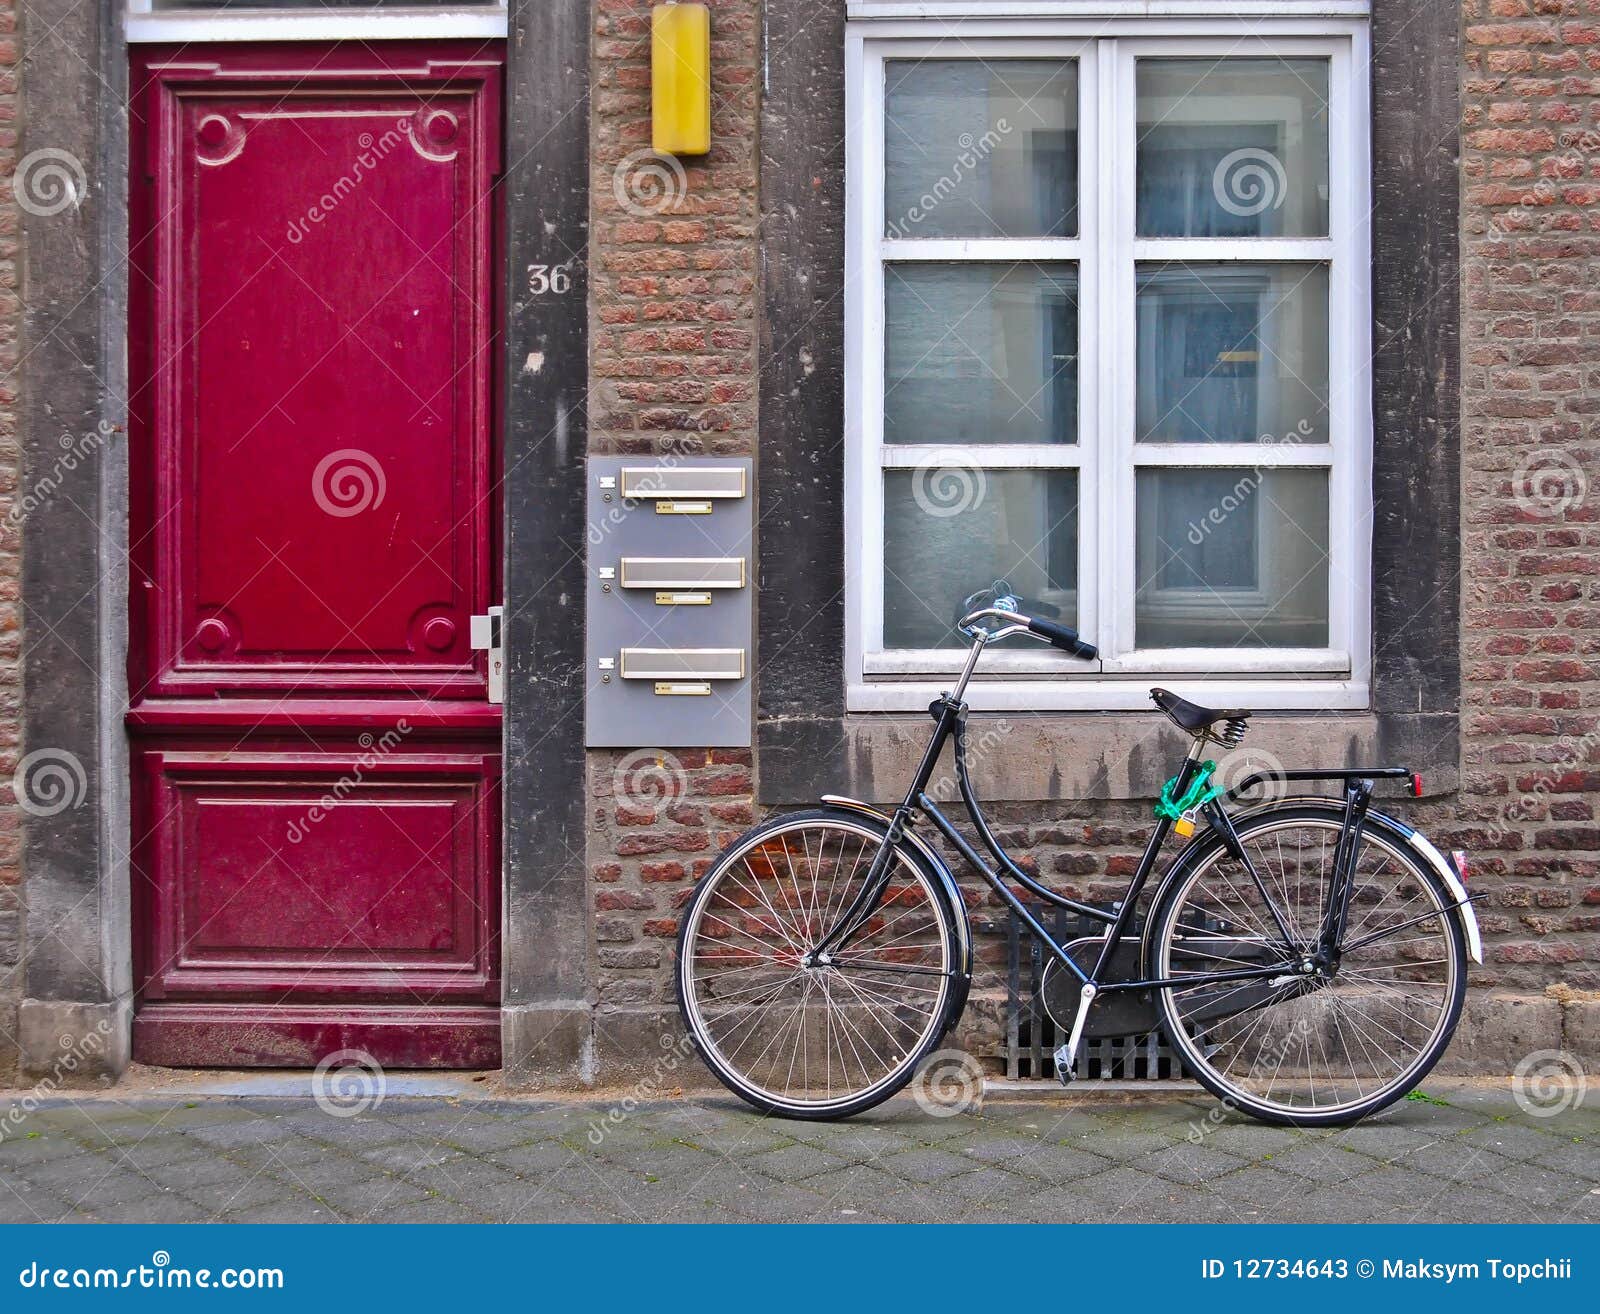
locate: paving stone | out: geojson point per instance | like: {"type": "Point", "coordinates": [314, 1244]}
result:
{"type": "Point", "coordinates": [1248, 1139]}
{"type": "Point", "coordinates": [779, 1204]}
{"type": "Point", "coordinates": [1584, 1209]}
{"type": "Point", "coordinates": [540, 1158]}
{"type": "Point", "coordinates": [1454, 1160]}
{"type": "Point", "coordinates": [924, 1165]}
{"type": "Point", "coordinates": [856, 1186]}
{"type": "Point", "coordinates": [167, 1208]}
{"type": "Point", "coordinates": [464, 1179]}
{"type": "Point", "coordinates": [1010, 1150]}
{"type": "Point", "coordinates": [1322, 1163]}
{"type": "Point", "coordinates": [1257, 1194]}
{"type": "Point", "coordinates": [1058, 1163]}
{"type": "Point", "coordinates": [1386, 1140]}
{"type": "Point", "coordinates": [436, 1210]}
{"type": "Point", "coordinates": [1123, 1194]}
{"type": "Point", "coordinates": [1191, 1164]}
{"type": "Point", "coordinates": [22, 1201]}
{"type": "Point", "coordinates": [24, 1147]}
{"type": "Point", "coordinates": [362, 1200]}
{"type": "Point", "coordinates": [1575, 1155]}
{"type": "Point", "coordinates": [1517, 1141]}
{"type": "Point", "coordinates": [224, 1198]}
{"type": "Point", "coordinates": [989, 1185]}
{"type": "Point", "coordinates": [793, 1163]}
{"type": "Point", "coordinates": [486, 1135]}
{"type": "Point", "coordinates": [917, 1204]}
{"type": "Point", "coordinates": [1051, 1204]}
{"type": "Point", "coordinates": [411, 1157]}
{"type": "Point", "coordinates": [227, 1135]}
{"type": "Point", "coordinates": [287, 1211]}
{"type": "Point", "coordinates": [1538, 1187]}
{"type": "Point", "coordinates": [162, 1154]}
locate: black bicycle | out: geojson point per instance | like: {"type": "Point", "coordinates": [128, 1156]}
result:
{"type": "Point", "coordinates": [1306, 956]}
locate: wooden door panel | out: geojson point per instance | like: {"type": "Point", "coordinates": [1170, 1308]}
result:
{"type": "Point", "coordinates": [313, 518]}
{"type": "Point", "coordinates": [322, 344]}
{"type": "Point", "coordinates": [350, 873]}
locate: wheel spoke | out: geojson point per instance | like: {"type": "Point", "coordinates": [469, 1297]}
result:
{"type": "Point", "coordinates": [790, 1033]}
{"type": "Point", "coordinates": [1346, 1035]}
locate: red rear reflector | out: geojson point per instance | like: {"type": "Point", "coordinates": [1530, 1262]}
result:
{"type": "Point", "coordinates": [1416, 784]}
{"type": "Point", "coordinates": [1459, 857]}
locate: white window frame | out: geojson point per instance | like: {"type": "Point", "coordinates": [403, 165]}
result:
{"type": "Point", "coordinates": [1288, 679]}
{"type": "Point", "coordinates": [483, 20]}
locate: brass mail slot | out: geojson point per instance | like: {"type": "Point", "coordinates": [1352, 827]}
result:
{"type": "Point", "coordinates": [666, 688]}
{"type": "Point", "coordinates": [682, 572]}
{"type": "Point", "coordinates": [683, 598]}
{"type": "Point", "coordinates": [683, 508]}
{"type": "Point", "coordinates": [683, 664]}
{"type": "Point", "coordinates": [678, 482]}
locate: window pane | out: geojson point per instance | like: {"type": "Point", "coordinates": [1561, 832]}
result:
{"type": "Point", "coordinates": [1232, 558]}
{"type": "Point", "coordinates": [1233, 353]}
{"type": "Point", "coordinates": [954, 529]}
{"type": "Point", "coordinates": [981, 354]}
{"type": "Point", "coordinates": [980, 148]}
{"type": "Point", "coordinates": [1233, 148]}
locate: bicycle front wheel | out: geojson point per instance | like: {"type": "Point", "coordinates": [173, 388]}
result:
{"type": "Point", "coordinates": [799, 1037]}
{"type": "Point", "coordinates": [1329, 1047]}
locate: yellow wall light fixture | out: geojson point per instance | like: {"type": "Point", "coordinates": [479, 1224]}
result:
{"type": "Point", "coordinates": [680, 79]}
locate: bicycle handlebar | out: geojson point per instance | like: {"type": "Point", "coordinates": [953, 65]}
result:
{"type": "Point", "coordinates": [1059, 636]}
{"type": "Point", "coordinates": [1062, 637]}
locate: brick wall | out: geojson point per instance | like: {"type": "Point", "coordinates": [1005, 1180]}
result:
{"type": "Point", "coordinates": [673, 326]}
{"type": "Point", "coordinates": [10, 547]}
{"type": "Point", "coordinates": [672, 267]}
{"type": "Point", "coordinates": [1531, 484]}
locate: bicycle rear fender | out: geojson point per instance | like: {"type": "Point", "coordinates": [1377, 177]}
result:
{"type": "Point", "coordinates": [1415, 840]}
{"type": "Point", "coordinates": [938, 866]}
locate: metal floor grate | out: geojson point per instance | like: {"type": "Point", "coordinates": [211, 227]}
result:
{"type": "Point", "coordinates": [1030, 1037]}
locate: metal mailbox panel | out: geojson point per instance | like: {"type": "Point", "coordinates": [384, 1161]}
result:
{"type": "Point", "coordinates": [670, 602]}
{"type": "Point", "coordinates": [682, 573]}
{"type": "Point", "coordinates": [684, 479]}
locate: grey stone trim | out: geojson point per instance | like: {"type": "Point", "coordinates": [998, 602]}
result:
{"type": "Point", "coordinates": [546, 185]}
{"type": "Point", "coordinates": [76, 948]}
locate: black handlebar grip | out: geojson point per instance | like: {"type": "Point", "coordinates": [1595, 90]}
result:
{"type": "Point", "coordinates": [1063, 638]}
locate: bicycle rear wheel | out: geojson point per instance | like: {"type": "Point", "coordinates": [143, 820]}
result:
{"type": "Point", "coordinates": [1333, 1046]}
{"type": "Point", "coordinates": [811, 1039]}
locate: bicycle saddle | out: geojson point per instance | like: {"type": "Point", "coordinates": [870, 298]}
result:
{"type": "Point", "coordinates": [1191, 716]}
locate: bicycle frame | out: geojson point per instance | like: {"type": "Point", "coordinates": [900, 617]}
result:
{"type": "Point", "coordinates": [949, 714]}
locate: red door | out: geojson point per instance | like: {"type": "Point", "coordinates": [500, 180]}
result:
{"type": "Point", "coordinates": [314, 515]}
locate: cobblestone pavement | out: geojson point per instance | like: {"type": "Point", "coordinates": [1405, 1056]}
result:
{"type": "Point", "coordinates": [1472, 1156]}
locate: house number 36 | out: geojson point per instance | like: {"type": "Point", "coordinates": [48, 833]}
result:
{"type": "Point", "coordinates": [549, 278]}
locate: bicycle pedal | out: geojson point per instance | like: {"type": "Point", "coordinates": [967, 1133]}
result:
{"type": "Point", "coordinates": [1065, 1068]}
